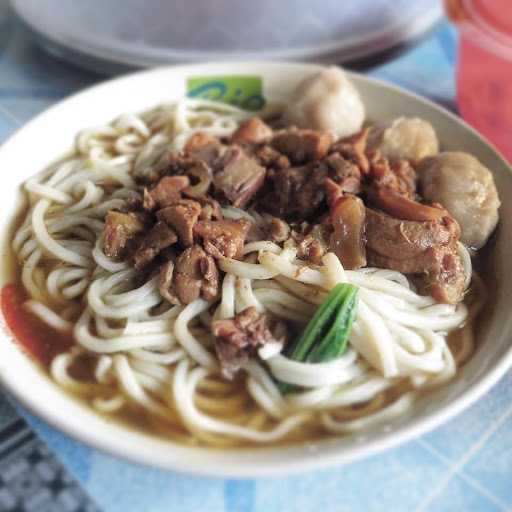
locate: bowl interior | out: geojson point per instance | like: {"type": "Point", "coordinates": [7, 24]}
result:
{"type": "Point", "coordinates": [52, 133]}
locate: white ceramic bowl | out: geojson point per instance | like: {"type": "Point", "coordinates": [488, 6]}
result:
{"type": "Point", "coordinates": [52, 133]}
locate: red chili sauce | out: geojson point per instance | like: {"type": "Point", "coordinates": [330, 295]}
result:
{"type": "Point", "coordinates": [37, 338]}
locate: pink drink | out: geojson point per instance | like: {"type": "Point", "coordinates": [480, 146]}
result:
{"type": "Point", "coordinates": [484, 73]}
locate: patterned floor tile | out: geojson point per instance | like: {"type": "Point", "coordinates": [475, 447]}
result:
{"type": "Point", "coordinates": [459, 496]}
{"type": "Point", "coordinates": [396, 481]}
{"type": "Point", "coordinates": [31, 479]}
{"type": "Point", "coordinates": [454, 438]}
{"type": "Point", "coordinates": [493, 465]}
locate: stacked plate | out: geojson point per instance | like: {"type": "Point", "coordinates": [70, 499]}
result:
{"type": "Point", "coordinates": [108, 36]}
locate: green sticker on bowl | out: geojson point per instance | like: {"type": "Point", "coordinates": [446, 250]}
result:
{"type": "Point", "coordinates": [241, 90]}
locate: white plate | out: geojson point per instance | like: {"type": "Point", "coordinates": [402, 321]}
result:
{"type": "Point", "coordinates": [52, 133]}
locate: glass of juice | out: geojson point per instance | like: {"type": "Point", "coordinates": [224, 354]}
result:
{"type": "Point", "coordinates": [484, 72]}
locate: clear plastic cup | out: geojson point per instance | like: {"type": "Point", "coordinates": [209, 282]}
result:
{"type": "Point", "coordinates": [484, 71]}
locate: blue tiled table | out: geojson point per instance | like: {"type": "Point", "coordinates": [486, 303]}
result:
{"type": "Point", "coordinates": [466, 465]}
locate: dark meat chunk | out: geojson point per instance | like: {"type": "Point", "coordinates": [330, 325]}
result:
{"type": "Point", "coordinates": [353, 148]}
{"type": "Point", "coordinates": [393, 189]}
{"type": "Point", "coordinates": [159, 237]}
{"type": "Point", "coordinates": [223, 238]}
{"type": "Point", "coordinates": [166, 192]}
{"type": "Point", "coordinates": [270, 157]}
{"type": "Point", "coordinates": [204, 146]}
{"type": "Point", "coordinates": [348, 240]}
{"type": "Point", "coordinates": [182, 216]}
{"type": "Point", "coordinates": [252, 131]}
{"type": "Point", "coordinates": [238, 338]}
{"type": "Point", "coordinates": [312, 241]}
{"type": "Point", "coordinates": [194, 275]}
{"type": "Point", "coordinates": [446, 279]}
{"type": "Point", "coordinates": [278, 230]}
{"type": "Point", "coordinates": [170, 163]}
{"type": "Point", "coordinates": [402, 239]}
{"type": "Point", "coordinates": [192, 168]}
{"type": "Point", "coordinates": [119, 230]}
{"type": "Point", "coordinates": [406, 175]}
{"type": "Point", "coordinates": [296, 192]}
{"type": "Point", "coordinates": [302, 146]}
{"type": "Point", "coordinates": [240, 177]}
{"type": "Point", "coordinates": [439, 269]}
{"type": "Point", "coordinates": [427, 248]}
{"type": "Point", "coordinates": [399, 177]}
{"type": "Point", "coordinates": [344, 173]}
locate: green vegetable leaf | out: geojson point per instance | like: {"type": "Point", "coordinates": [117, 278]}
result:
{"type": "Point", "coordinates": [326, 336]}
{"type": "Point", "coordinates": [334, 343]}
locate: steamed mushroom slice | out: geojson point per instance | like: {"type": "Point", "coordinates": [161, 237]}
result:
{"type": "Point", "coordinates": [348, 217]}
{"type": "Point", "coordinates": [404, 208]}
{"type": "Point", "coordinates": [202, 175]}
{"type": "Point", "coordinates": [466, 189]}
{"type": "Point", "coordinates": [405, 138]}
{"type": "Point", "coordinates": [326, 101]}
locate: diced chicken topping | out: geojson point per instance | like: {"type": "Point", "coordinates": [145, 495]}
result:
{"type": "Point", "coordinates": [166, 192]}
{"type": "Point", "coordinates": [194, 275]}
{"type": "Point", "coordinates": [159, 237]}
{"type": "Point", "coordinates": [237, 338]}
{"type": "Point", "coordinates": [302, 146]}
{"type": "Point", "coordinates": [252, 131]}
{"type": "Point", "coordinates": [182, 216]}
{"type": "Point", "coordinates": [356, 197]}
{"type": "Point", "coordinates": [120, 229]}
{"type": "Point", "coordinates": [223, 238]}
{"type": "Point", "coordinates": [205, 147]}
{"type": "Point", "coordinates": [271, 158]}
{"type": "Point", "coordinates": [239, 178]}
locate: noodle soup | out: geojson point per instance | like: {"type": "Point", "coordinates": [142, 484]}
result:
{"type": "Point", "coordinates": [210, 354]}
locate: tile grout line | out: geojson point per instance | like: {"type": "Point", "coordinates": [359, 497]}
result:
{"type": "Point", "coordinates": [11, 116]}
{"type": "Point", "coordinates": [467, 478]}
{"type": "Point", "coordinates": [454, 469]}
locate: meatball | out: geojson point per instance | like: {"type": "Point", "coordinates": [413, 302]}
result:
{"type": "Point", "coordinates": [466, 189]}
{"type": "Point", "coordinates": [408, 138]}
{"type": "Point", "coordinates": [326, 101]}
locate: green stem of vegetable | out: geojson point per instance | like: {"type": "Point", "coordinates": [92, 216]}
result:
{"type": "Point", "coordinates": [325, 337]}
{"type": "Point", "coordinates": [318, 325]}
{"type": "Point", "coordinates": [334, 343]}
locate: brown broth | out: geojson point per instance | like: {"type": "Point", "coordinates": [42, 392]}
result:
{"type": "Point", "coordinates": [34, 338]}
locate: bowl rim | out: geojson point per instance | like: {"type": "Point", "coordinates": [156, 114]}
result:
{"type": "Point", "coordinates": [149, 456]}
